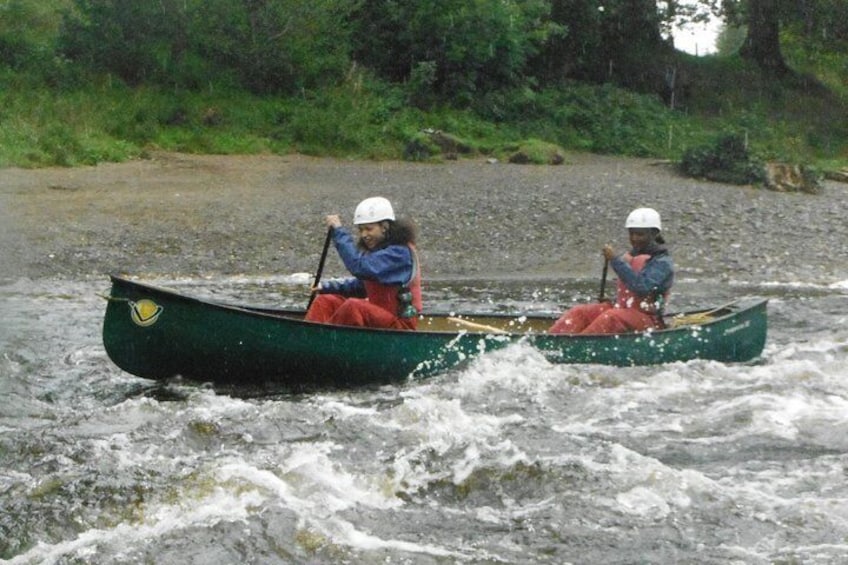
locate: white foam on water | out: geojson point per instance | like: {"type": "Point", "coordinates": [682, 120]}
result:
{"type": "Point", "coordinates": [732, 403]}
{"type": "Point", "coordinates": [794, 285]}
{"type": "Point", "coordinates": [442, 438]}
{"type": "Point", "coordinates": [441, 429]}
{"type": "Point", "coordinates": [645, 502]}
{"type": "Point", "coordinates": [309, 484]}
{"type": "Point", "coordinates": [220, 505]}
{"type": "Point", "coordinates": [649, 491]}
{"type": "Point", "coordinates": [637, 485]}
{"type": "Point", "coordinates": [344, 411]}
{"type": "Point", "coordinates": [346, 533]}
{"type": "Point", "coordinates": [833, 347]}
{"type": "Point", "coordinates": [518, 367]}
{"type": "Point", "coordinates": [762, 444]}
{"type": "Point", "coordinates": [10, 478]}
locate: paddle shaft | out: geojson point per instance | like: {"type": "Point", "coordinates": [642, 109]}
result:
{"type": "Point", "coordinates": [320, 266]}
{"type": "Point", "coordinates": [476, 326]}
{"type": "Point", "coordinates": [603, 281]}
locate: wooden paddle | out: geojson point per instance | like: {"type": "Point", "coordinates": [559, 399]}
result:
{"type": "Point", "coordinates": [603, 281]}
{"type": "Point", "coordinates": [475, 326]}
{"type": "Point", "coordinates": [320, 266]}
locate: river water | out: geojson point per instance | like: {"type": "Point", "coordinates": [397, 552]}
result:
{"type": "Point", "coordinates": [508, 459]}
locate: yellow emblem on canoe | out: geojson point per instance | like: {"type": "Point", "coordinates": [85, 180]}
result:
{"type": "Point", "coordinates": [145, 312]}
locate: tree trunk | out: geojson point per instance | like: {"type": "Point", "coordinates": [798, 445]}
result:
{"type": "Point", "coordinates": [762, 45]}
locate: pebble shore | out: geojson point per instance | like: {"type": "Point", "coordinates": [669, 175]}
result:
{"type": "Point", "coordinates": [188, 215]}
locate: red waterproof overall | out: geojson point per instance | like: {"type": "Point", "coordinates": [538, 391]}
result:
{"type": "Point", "coordinates": [378, 310]}
{"type": "Point", "coordinates": [628, 314]}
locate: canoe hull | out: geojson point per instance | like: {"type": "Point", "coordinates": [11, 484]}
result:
{"type": "Point", "coordinates": [734, 340]}
{"type": "Point", "coordinates": [158, 334]}
{"type": "Point", "coordinates": [210, 342]}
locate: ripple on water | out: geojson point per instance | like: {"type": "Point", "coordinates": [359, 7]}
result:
{"type": "Point", "coordinates": [508, 459]}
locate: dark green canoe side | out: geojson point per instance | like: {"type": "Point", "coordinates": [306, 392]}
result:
{"type": "Point", "coordinates": [206, 341]}
{"type": "Point", "coordinates": [738, 334]}
{"type": "Point", "coordinates": [175, 335]}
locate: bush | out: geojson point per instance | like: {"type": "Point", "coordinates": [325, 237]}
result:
{"type": "Point", "coordinates": [267, 47]}
{"type": "Point", "coordinates": [536, 152]}
{"type": "Point", "coordinates": [728, 161]}
{"type": "Point", "coordinates": [453, 48]}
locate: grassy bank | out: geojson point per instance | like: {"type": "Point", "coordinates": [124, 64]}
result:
{"type": "Point", "coordinates": [100, 119]}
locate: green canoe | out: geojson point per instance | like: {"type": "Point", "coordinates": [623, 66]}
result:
{"type": "Point", "coordinates": [157, 333]}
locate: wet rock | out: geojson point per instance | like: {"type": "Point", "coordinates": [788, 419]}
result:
{"type": "Point", "coordinates": [786, 177]}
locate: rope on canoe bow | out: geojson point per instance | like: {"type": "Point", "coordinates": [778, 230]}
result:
{"type": "Point", "coordinates": [113, 298]}
{"type": "Point", "coordinates": [695, 318]}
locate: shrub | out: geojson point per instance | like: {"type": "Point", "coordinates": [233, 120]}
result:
{"type": "Point", "coordinates": [727, 161]}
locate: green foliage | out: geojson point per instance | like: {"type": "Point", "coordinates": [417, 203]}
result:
{"type": "Point", "coordinates": [28, 32]}
{"type": "Point", "coordinates": [617, 41]}
{"type": "Point", "coordinates": [88, 80]}
{"type": "Point", "coordinates": [795, 119]}
{"type": "Point", "coordinates": [822, 26]}
{"type": "Point", "coordinates": [421, 147]}
{"type": "Point", "coordinates": [40, 128]}
{"type": "Point", "coordinates": [456, 47]}
{"type": "Point", "coordinates": [137, 41]}
{"type": "Point", "coordinates": [584, 117]}
{"type": "Point", "coordinates": [536, 152]}
{"type": "Point", "coordinates": [276, 47]}
{"type": "Point", "coordinates": [267, 47]}
{"type": "Point", "coordinates": [827, 61]}
{"type": "Point", "coordinates": [727, 161]}
{"type": "Point", "coordinates": [432, 144]}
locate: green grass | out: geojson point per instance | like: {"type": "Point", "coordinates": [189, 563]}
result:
{"type": "Point", "coordinates": [103, 120]}
{"type": "Point", "coordinates": [798, 118]}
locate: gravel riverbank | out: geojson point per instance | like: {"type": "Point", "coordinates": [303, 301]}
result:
{"type": "Point", "coordinates": [187, 215]}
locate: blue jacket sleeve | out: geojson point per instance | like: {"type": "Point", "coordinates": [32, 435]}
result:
{"type": "Point", "coordinates": [389, 265]}
{"type": "Point", "coordinates": [657, 275]}
{"type": "Point", "coordinates": [346, 287]}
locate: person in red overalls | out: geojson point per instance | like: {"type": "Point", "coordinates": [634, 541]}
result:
{"type": "Point", "coordinates": [645, 275]}
{"type": "Point", "coordinates": [386, 289]}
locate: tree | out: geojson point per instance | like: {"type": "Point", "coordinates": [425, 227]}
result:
{"type": "Point", "coordinates": [276, 45]}
{"type": "Point", "coordinates": [824, 23]}
{"type": "Point", "coordinates": [765, 19]}
{"type": "Point", "coordinates": [762, 44]}
{"type": "Point", "coordinates": [456, 48]}
{"type": "Point", "coordinates": [264, 45]}
{"type": "Point", "coordinates": [137, 41]}
{"type": "Point", "coordinates": [571, 49]}
{"type": "Point", "coordinates": [617, 41]}
{"type": "Point", "coordinates": [28, 31]}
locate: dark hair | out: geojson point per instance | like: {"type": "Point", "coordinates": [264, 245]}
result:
{"type": "Point", "coordinates": [659, 237]}
{"type": "Point", "coordinates": [398, 232]}
{"type": "Point", "coordinates": [401, 232]}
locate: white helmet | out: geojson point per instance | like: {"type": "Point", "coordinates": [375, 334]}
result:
{"type": "Point", "coordinates": [643, 218]}
{"type": "Point", "coordinates": [373, 210]}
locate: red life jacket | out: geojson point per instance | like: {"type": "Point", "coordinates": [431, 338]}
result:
{"type": "Point", "coordinates": [386, 296]}
{"type": "Point", "coordinates": [626, 298]}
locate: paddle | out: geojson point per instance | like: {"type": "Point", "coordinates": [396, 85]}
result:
{"type": "Point", "coordinates": [476, 326]}
{"type": "Point", "coordinates": [320, 266]}
{"type": "Point", "coordinates": [603, 281]}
